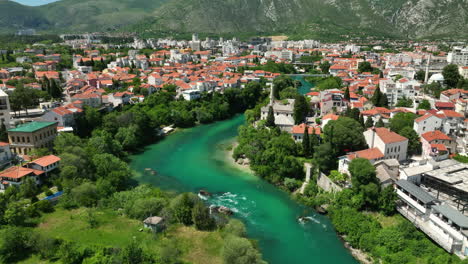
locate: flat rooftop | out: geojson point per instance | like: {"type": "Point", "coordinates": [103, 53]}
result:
{"type": "Point", "coordinates": [455, 175]}
{"type": "Point", "coordinates": [31, 127]}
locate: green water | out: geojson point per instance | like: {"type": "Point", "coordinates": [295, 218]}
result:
{"type": "Point", "coordinates": [194, 159]}
{"type": "Point", "coordinates": [306, 86]}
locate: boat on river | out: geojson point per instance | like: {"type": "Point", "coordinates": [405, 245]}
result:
{"type": "Point", "coordinates": [153, 172]}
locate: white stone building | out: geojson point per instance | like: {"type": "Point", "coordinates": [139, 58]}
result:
{"type": "Point", "coordinates": [392, 145]}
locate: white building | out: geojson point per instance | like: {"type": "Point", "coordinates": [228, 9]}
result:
{"type": "Point", "coordinates": [283, 112]}
{"type": "Point", "coordinates": [4, 109]}
{"type": "Point", "coordinates": [396, 90]}
{"type": "Point", "coordinates": [427, 122]}
{"type": "Point", "coordinates": [190, 95]}
{"type": "Point", "coordinates": [442, 223]}
{"type": "Point", "coordinates": [458, 56]}
{"type": "Point", "coordinates": [392, 145]}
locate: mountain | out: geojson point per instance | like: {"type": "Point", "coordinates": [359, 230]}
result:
{"type": "Point", "coordinates": [295, 18]}
{"type": "Point", "coordinates": [15, 16]}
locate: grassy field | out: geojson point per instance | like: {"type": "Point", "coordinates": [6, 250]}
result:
{"type": "Point", "coordinates": [118, 231]}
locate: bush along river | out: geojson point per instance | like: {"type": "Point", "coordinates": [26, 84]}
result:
{"type": "Point", "coordinates": [195, 159]}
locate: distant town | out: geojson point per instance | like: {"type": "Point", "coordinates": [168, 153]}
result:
{"type": "Point", "coordinates": [407, 104]}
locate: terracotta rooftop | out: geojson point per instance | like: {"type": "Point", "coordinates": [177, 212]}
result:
{"type": "Point", "coordinates": [370, 154]}
{"type": "Point", "coordinates": [46, 160]}
{"type": "Point", "coordinates": [435, 135]}
{"type": "Point", "coordinates": [388, 136]}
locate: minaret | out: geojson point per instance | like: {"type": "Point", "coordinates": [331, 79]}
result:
{"type": "Point", "coordinates": [426, 77]}
{"type": "Point", "coordinates": [272, 97]}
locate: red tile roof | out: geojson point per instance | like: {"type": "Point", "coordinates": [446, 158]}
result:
{"type": "Point", "coordinates": [19, 172]}
{"type": "Point", "coordinates": [46, 160]}
{"type": "Point", "coordinates": [388, 136]}
{"type": "Point", "coordinates": [300, 129]}
{"type": "Point", "coordinates": [370, 154]}
{"type": "Point", "coordinates": [435, 135]}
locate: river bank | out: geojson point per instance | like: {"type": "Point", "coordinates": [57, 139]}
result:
{"type": "Point", "coordinates": [192, 160]}
{"type": "Point", "coordinates": [358, 254]}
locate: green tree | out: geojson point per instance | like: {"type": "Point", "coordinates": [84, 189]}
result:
{"type": "Point", "coordinates": [306, 142]}
{"type": "Point", "coordinates": [362, 173]}
{"type": "Point", "coordinates": [201, 217]}
{"type": "Point", "coordinates": [239, 250]}
{"type": "Point", "coordinates": [29, 188]}
{"type": "Point", "coordinates": [420, 75]}
{"type": "Point", "coordinates": [377, 97]}
{"type": "Point", "coordinates": [451, 75]}
{"type": "Point", "coordinates": [404, 102]}
{"type": "Point", "coordinates": [55, 90]}
{"type": "Point", "coordinates": [181, 208]}
{"type": "Point", "coordinates": [14, 244]}
{"type": "Point", "coordinates": [414, 142]}
{"type": "Point", "coordinates": [345, 135]}
{"type": "Point", "coordinates": [387, 200]}
{"type": "Point", "coordinates": [270, 120]}
{"type": "Point", "coordinates": [325, 157]}
{"type": "Point", "coordinates": [325, 67]}
{"type": "Point", "coordinates": [236, 228]}
{"type": "Point", "coordinates": [435, 89]}
{"type": "Point", "coordinates": [369, 122]}
{"type": "Point", "coordinates": [365, 66]}
{"type": "Point", "coordinates": [3, 133]}
{"type": "Point", "coordinates": [402, 120]}
{"type": "Point", "coordinates": [425, 105]}
{"type": "Point", "coordinates": [347, 96]}
{"type": "Point", "coordinates": [85, 194]}
{"type": "Point", "coordinates": [301, 109]}
{"type": "Point", "coordinates": [380, 123]}
{"type": "Point", "coordinates": [133, 254]}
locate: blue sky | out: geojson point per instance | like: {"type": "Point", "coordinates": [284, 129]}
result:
{"type": "Point", "coordinates": [34, 2]}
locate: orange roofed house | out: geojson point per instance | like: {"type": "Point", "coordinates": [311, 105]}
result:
{"type": "Point", "coordinates": [432, 140]}
{"type": "Point", "coordinates": [35, 169]}
{"type": "Point", "coordinates": [17, 175]}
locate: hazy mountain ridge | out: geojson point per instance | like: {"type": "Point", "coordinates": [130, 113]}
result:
{"type": "Point", "coordinates": [401, 18]}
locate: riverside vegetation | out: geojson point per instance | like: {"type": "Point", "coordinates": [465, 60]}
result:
{"type": "Point", "coordinates": [98, 217]}
{"type": "Point", "coordinates": [363, 215]}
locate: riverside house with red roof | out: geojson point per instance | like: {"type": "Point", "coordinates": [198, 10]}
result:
{"type": "Point", "coordinates": [392, 145]}
{"type": "Point", "coordinates": [431, 138]}
{"type": "Point", "coordinates": [46, 163]}
{"type": "Point", "coordinates": [17, 175]}
{"type": "Point", "coordinates": [298, 132]}
{"type": "Point", "coordinates": [63, 115]}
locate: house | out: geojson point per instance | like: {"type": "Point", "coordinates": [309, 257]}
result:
{"type": "Point", "coordinates": [30, 136]}
{"type": "Point", "coordinates": [430, 138]}
{"type": "Point", "coordinates": [89, 99]}
{"type": "Point", "coordinates": [327, 118]}
{"type": "Point", "coordinates": [372, 154]}
{"type": "Point", "coordinates": [396, 90]}
{"type": "Point", "coordinates": [17, 175]}
{"type": "Point", "coordinates": [428, 122]}
{"type": "Point", "coordinates": [453, 122]}
{"type": "Point", "coordinates": [46, 163]}
{"type": "Point", "coordinates": [298, 132]}
{"type": "Point", "coordinates": [155, 223]}
{"type": "Point", "coordinates": [392, 145]}
{"type": "Point", "coordinates": [283, 113]}
{"type": "Point", "coordinates": [64, 116]}
{"type": "Point", "coordinates": [387, 171]}
{"type": "Point", "coordinates": [191, 95]}
{"type": "Point", "coordinates": [445, 106]}
{"type": "Point", "coordinates": [120, 98]}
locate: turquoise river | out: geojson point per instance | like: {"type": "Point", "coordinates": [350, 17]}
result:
{"type": "Point", "coordinates": [194, 159]}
